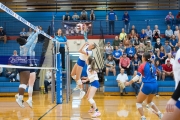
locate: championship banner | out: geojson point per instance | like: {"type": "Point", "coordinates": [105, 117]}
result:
{"type": "Point", "coordinates": [76, 28]}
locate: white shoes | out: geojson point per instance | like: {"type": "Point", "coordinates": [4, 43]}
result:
{"type": "Point", "coordinates": [96, 114]}
{"type": "Point", "coordinates": [29, 102]}
{"type": "Point", "coordinates": [76, 88]}
{"type": "Point", "coordinates": [160, 115]}
{"type": "Point", "coordinates": [82, 93]}
{"type": "Point", "coordinates": [143, 118]}
{"type": "Point", "coordinates": [20, 102]}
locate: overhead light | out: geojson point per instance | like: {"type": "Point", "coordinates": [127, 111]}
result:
{"type": "Point", "coordinates": [75, 55]}
{"type": "Point", "coordinates": [30, 8]}
{"type": "Point", "coordinates": [19, 1]}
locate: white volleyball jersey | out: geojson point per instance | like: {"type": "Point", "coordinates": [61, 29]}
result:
{"type": "Point", "coordinates": [92, 76]}
{"type": "Point", "coordinates": [88, 53]}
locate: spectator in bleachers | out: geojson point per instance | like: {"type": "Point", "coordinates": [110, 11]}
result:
{"type": "Point", "coordinates": [92, 15]}
{"type": "Point", "coordinates": [136, 85]}
{"type": "Point", "coordinates": [121, 79]}
{"type": "Point", "coordinates": [117, 54]}
{"type": "Point", "coordinates": [168, 33]}
{"type": "Point", "coordinates": [161, 55]}
{"type": "Point", "coordinates": [136, 43]}
{"type": "Point", "coordinates": [178, 18]}
{"type": "Point", "coordinates": [133, 36]}
{"type": "Point", "coordinates": [176, 32]}
{"type": "Point", "coordinates": [130, 51]}
{"type": "Point", "coordinates": [167, 70]}
{"type": "Point", "coordinates": [126, 42]}
{"type": "Point", "coordinates": [75, 16]}
{"type": "Point", "coordinates": [66, 16]}
{"type": "Point", "coordinates": [173, 41]}
{"type": "Point", "coordinates": [125, 63]}
{"type": "Point", "coordinates": [110, 65]}
{"type": "Point", "coordinates": [170, 58]}
{"type": "Point", "coordinates": [156, 33]}
{"type": "Point", "coordinates": [116, 42]}
{"type": "Point", "coordinates": [15, 53]}
{"type": "Point", "coordinates": [23, 33]}
{"type": "Point", "coordinates": [84, 15]}
{"type": "Point", "coordinates": [158, 69]}
{"type": "Point", "coordinates": [108, 49]}
{"type": "Point", "coordinates": [3, 35]}
{"type": "Point", "coordinates": [140, 50]}
{"type": "Point", "coordinates": [167, 47]}
{"type": "Point", "coordinates": [174, 52]}
{"type": "Point", "coordinates": [29, 32]}
{"type": "Point", "coordinates": [122, 35]}
{"type": "Point", "coordinates": [169, 19]}
{"type": "Point", "coordinates": [111, 17]}
{"type": "Point", "coordinates": [1, 71]}
{"type": "Point", "coordinates": [133, 28]}
{"type": "Point", "coordinates": [121, 47]}
{"type": "Point", "coordinates": [11, 74]}
{"type": "Point", "coordinates": [126, 19]}
{"type": "Point", "coordinates": [148, 32]}
{"type": "Point", "coordinates": [148, 46]}
{"type": "Point", "coordinates": [157, 45]}
{"type": "Point", "coordinates": [178, 46]}
{"type": "Point", "coordinates": [40, 36]}
{"type": "Point", "coordinates": [143, 37]}
{"type": "Point", "coordinates": [135, 62]}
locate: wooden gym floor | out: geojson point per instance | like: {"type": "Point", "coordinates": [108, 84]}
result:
{"type": "Point", "coordinates": [111, 108]}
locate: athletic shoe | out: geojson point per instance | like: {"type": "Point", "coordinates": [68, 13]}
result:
{"type": "Point", "coordinates": [82, 93]}
{"type": "Point", "coordinates": [16, 96]}
{"type": "Point", "coordinates": [91, 110]}
{"type": "Point", "coordinates": [96, 114]}
{"type": "Point", "coordinates": [29, 102]}
{"type": "Point", "coordinates": [147, 106]}
{"type": "Point", "coordinates": [20, 102]}
{"type": "Point", "coordinates": [143, 118]}
{"type": "Point", "coordinates": [160, 115]}
{"type": "Point", "coordinates": [76, 88]}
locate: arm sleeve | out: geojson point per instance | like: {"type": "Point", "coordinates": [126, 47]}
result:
{"type": "Point", "coordinates": [33, 38]}
{"type": "Point", "coordinates": [30, 36]}
{"type": "Point", "coordinates": [176, 93]}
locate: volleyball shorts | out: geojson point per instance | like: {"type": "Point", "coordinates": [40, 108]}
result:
{"type": "Point", "coordinates": [23, 69]}
{"type": "Point", "coordinates": [178, 104]}
{"type": "Point", "coordinates": [95, 83]}
{"type": "Point", "coordinates": [81, 63]}
{"type": "Point", "coordinates": [149, 88]}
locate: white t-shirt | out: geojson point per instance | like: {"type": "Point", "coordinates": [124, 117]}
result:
{"type": "Point", "coordinates": [122, 78]}
{"type": "Point", "coordinates": [88, 53]}
{"type": "Point", "coordinates": [91, 76]}
{"type": "Point", "coordinates": [176, 33]}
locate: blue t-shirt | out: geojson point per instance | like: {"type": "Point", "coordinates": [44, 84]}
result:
{"type": "Point", "coordinates": [111, 16]}
{"type": "Point", "coordinates": [61, 39]}
{"type": "Point", "coordinates": [173, 42]}
{"type": "Point", "coordinates": [143, 35]}
{"type": "Point", "coordinates": [117, 53]}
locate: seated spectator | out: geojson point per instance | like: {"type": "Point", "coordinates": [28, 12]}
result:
{"type": "Point", "coordinates": [167, 70]}
{"type": "Point", "coordinates": [176, 32]}
{"type": "Point", "coordinates": [136, 43]}
{"type": "Point", "coordinates": [125, 63]}
{"type": "Point", "coordinates": [161, 55]}
{"type": "Point", "coordinates": [133, 36]}
{"type": "Point", "coordinates": [3, 35]}
{"type": "Point", "coordinates": [122, 35]}
{"type": "Point", "coordinates": [158, 69]}
{"type": "Point", "coordinates": [11, 74]}
{"type": "Point", "coordinates": [157, 45]}
{"type": "Point", "coordinates": [92, 15]}
{"type": "Point", "coordinates": [110, 65]}
{"type": "Point", "coordinates": [178, 46]}
{"type": "Point", "coordinates": [143, 37]}
{"type": "Point", "coordinates": [169, 19]}
{"type": "Point", "coordinates": [130, 51]}
{"type": "Point", "coordinates": [48, 79]}
{"type": "Point", "coordinates": [168, 33]}
{"type": "Point", "coordinates": [170, 58]}
{"type": "Point", "coordinates": [173, 41]}
{"type": "Point", "coordinates": [126, 20]}
{"type": "Point", "coordinates": [167, 48]}
{"type": "Point", "coordinates": [178, 18]}
{"type": "Point", "coordinates": [148, 32]}
{"type": "Point", "coordinates": [136, 85]}
{"type": "Point", "coordinates": [84, 15]}
{"type": "Point", "coordinates": [174, 52]}
{"type": "Point", "coordinates": [135, 62]}
{"type": "Point", "coordinates": [66, 16]}
{"type": "Point", "coordinates": [29, 32]}
{"type": "Point", "coordinates": [108, 49]}
{"type": "Point", "coordinates": [121, 47]}
{"type": "Point", "coordinates": [148, 46]}
{"type": "Point", "coordinates": [122, 78]}
{"type": "Point", "coordinates": [126, 42]}
{"type": "Point", "coordinates": [117, 54]}
{"type": "Point", "coordinates": [156, 33]}
{"type": "Point", "coordinates": [133, 28]}
{"type": "Point", "coordinates": [116, 42]}
{"type": "Point", "coordinates": [1, 71]}
{"type": "Point", "coordinates": [23, 33]}
{"type": "Point", "coordinates": [140, 50]}
{"type": "Point", "coordinates": [153, 57]}
{"type": "Point", "coordinates": [75, 16]}
{"type": "Point", "coordinates": [15, 53]}
{"type": "Point", "coordinates": [40, 36]}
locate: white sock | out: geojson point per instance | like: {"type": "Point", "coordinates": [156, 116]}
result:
{"type": "Point", "coordinates": [159, 112]}
{"type": "Point", "coordinates": [21, 97]}
{"type": "Point", "coordinates": [74, 77]}
{"type": "Point", "coordinates": [30, 98]}
{"type": "Point", "coordinates": [143, 116]}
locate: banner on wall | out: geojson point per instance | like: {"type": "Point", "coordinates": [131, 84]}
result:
{"type": "Point", "coordinates": [76, 28]}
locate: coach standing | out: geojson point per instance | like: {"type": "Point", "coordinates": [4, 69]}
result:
{"type": "Point", "coordinates": [111, 17]}
{"type": "Point", "coordinates": [3, 35]}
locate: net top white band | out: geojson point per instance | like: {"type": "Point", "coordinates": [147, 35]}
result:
{"type": "Point", "coordinates": [25, 67]}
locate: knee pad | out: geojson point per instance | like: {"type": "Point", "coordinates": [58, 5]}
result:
{"type": "Point", "coordinates": [74, 77]}
{"type": "Point", "coordinates": [138, 105]}
{"type": "Point", "coordinates": [91, 101]}
{"type": "Point", "coordinates": [79, 82]}
{"type": "Point", "coordinates": [30, 89]}
{"type": "Point", "coordinates": [23, 86]}
{"type": "Point", "coordinates": [151, 104]}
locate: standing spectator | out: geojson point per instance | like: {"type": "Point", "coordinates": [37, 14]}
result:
{"type": "Point", "coordinates": [29, 32]}
{"type": "Point", "coordinates": [156, 33]}
{"type": "Point", "coordinates": [122, 35]}
{"type": "Point", "coordinates": [84, 15]}
{"type": "Point", "coordinates": [92, 15]}
{"type": "Point", "coordinates": [167, 48]}
{"type": "Point", "coordinates": [176, 32]}
{"type": "Point", "coordinates": [108, 49]}
{"type": "Point", "coordinates": [23, 33]}
{"type": "Point", "coordinates": [168, 33]}
{"type": "Point", "coordinates": [173, 41]}
{"type": "Point", "coordinates": [121, 47]}
{"type": "Point", "coordinates": [133, 36]}
{"type": "Point", "coordinates": [178, 18]}
{"type": "Point", "coordinates": [110, 65]}
{"type": "Point", "coordinates": [117, 54]}
{"type": "Point", "coordinates": [126, 19]}
{"type": "Point", "coordinates": [161, 55]}
{"type": "Point", "coordinates": [15, 53]}
{"type": "Point", "coordinates": [116, 42]}
{"type": "Point", "coordinates": [148, 32]}
{"type": "Point", "coordinates": [174, 52]}
{"type": "Point", "coordinates": [111, 17]}
{"type": "Point", "coordinates": [167, 70]}
{"type": "Point", "coordinates": [1, 71]}
{"type": "Point", "coordinates": [135, 62]}
{"type": "Point", "coordinates": [149, 47]}
{"type": "Point", "coordinates": [143, 37]}
{"type": "Point", "coordinates": [40, 36]}
{"type": "Point", "coordinates": [136, 85]}
{"type": "Point", "coordinates": [3, 35]}
{"type": "Point", "coordinates": [66, 16]}
{"type": "Point", "coordinates": [75, 16]}
{"type": "Point", "coordinates": [158, 69]}
{"type": "Point", "coordinates": [133, 28]}
{"type": "Point", "coordinates": [157, 45]}
{"type": "Point", "coordinates": [125, 63]}
{"type": "Point", "coordinates": [11, 74]}
{"type": "Point", "coordinates": [130, 51]}
{"type": "Point", "coordinates": [170, 58]}
{"type": "Point", "coordinates": [140, 50]}
{"type": "Point", "coordinates": [121, 79]}
{"type": "Point", "coordinates": [169, 19]}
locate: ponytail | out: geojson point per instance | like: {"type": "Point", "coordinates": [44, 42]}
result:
{"type": "Point", "coordinates": [92, 63]}
{"type": "Point", "coordinates": [147, 57]}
